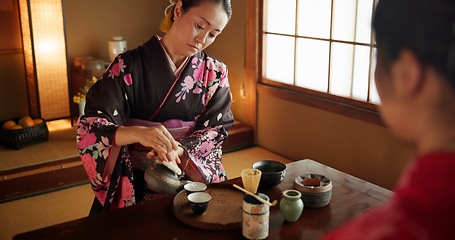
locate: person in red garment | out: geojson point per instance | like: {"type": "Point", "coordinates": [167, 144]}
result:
{"type": "Point", "coordinates": [415, 78]}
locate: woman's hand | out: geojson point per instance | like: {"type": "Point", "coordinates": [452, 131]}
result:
{"type": "Point", "coordinates": [157, 137]}
{"type": "Point", "coordinates": [177, 165]}
{"type": "Point", "coordinates": [168, 157]}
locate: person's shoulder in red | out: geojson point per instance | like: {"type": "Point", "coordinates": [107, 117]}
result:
{"type": "Point", "coordinates": [420, 208]}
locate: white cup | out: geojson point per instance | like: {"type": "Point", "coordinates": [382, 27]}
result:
{"type": "Point", "coordinates": [193, 187]}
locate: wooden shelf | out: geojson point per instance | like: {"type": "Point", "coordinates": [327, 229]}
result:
{"type": "Point", "coordinates": [239, 136]}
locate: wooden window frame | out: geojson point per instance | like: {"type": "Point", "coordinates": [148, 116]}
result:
{"type": "Point", "coordinates": [348, 107]}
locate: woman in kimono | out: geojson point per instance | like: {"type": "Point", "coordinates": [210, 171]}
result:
{"type": "Point", "coordinates": [415, 78]}
{"type": "Point", "coordinates": [166, 99]}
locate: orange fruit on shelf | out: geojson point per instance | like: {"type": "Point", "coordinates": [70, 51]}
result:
{"type": "Point", "coordinates": [26, 122]}
{"type": "Point", "coordinates": [37, 121]}
{"type": "Point", "coordinates": [17, 126]}
{"type": "Point", "coordinates": [8, 124]}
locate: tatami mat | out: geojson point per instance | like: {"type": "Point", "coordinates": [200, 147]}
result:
{"type": "Point", "coordinates": [44, 210]}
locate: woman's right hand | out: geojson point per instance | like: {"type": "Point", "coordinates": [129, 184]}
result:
{"type": "Point", "coordinates": [157, 137]}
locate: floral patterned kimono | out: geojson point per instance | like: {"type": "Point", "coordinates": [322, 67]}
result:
{"type": "Point", "coordinates": [140, 85]}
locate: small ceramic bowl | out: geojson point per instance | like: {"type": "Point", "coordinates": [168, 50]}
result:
{"type": "Point", "coordinates": [273, 172]}
{"type": "Point", "coordinates": [316, 189]}
{"type": "Point", "coordinates": [193, 187]}
{"type": "Point", "coordinates": [199, 201]}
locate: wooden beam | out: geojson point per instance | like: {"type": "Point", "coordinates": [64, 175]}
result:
{"type": "Point", "coordinates": [251, 61]}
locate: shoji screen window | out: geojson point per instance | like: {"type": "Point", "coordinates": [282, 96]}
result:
{"type": "Point", "coordinates": [322, 45]}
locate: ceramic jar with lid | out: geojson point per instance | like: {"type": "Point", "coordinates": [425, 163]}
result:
{"type": "Point", "coordinates": [291, 205]}
{"type": "Point", "coordinates": [117, 45]}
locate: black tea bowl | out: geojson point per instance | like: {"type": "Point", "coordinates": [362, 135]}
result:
{"type": "Point", "coordinates": [273, 172]}
{"type": "Point", "coordinates": [199, 201]}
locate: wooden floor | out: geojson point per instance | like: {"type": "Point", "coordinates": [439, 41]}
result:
{"type": "Point", "coordinates": [72, 203]}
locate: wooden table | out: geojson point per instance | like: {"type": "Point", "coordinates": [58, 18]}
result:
{"type": "Point", "coordinates": [155, 219]}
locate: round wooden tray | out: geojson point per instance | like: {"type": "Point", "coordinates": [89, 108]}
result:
{"type": "Point", "coordinates": [224, 211]}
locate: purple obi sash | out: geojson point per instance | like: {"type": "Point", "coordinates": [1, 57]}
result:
{"type": "Point", "coordinates": [177, 128]}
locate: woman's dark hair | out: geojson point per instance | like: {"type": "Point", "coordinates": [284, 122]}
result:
{"type": "Point", "coordinates": [426, 27]}
{"type": "Point", "coordinates": [167, 21]}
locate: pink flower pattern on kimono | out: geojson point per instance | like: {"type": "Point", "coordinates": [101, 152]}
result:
{"type": "Point", "coordinates": [194, 61]}
{"type": "Point", "coordinates": [199, 71]}
{"type": "Point", "coordinates": [210, 78]}
{"type": "Point", "coordinates": [104, 146]}
{"type": "Point", "coordinates": [127, 192]}
{"type": "Point", "coordinates": [205, 152]}
{"type": "Point", "coordinates": [99, 183]}
{"type": "Point", "coordinates": [87, 140]}
{"type": "Point", "coordinates": [89, 165]}
{"type": "Point", "coordinates": [206, 148]}
{"type": "Point", "coordinates": [206, 75]}
{"type": "Point", "coordinates": [209, 94]}
{"type": "Point", "coordinates": [211, 135]}
{"type": "Point", "coordinates": [128, 79]}
{"type": "Point", "coordinates": [206, 171]}
{"type": "Point", "coordinates": [224, 80]}
{"type": "Point", "coordinates": [98, 186]}
{"type": "Point", "coordinates": [211, 74]}
{"type": "Point", "coordinates": [93, 152]}
{"type": "Point", "coordinates": [216, 178]}
{"type": "Point", "coordinates": [187, 85]}
{"type": "Point", "coordinates": [117, 68]}
{"type": "Point", "coordinates": [101, 195]}
{"type": "Point", "coordinates": [198, 89]}
{"type": "Point", "coordinates": [198, 75]}
{"type": "Point", "coordinates": [82, 129]}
